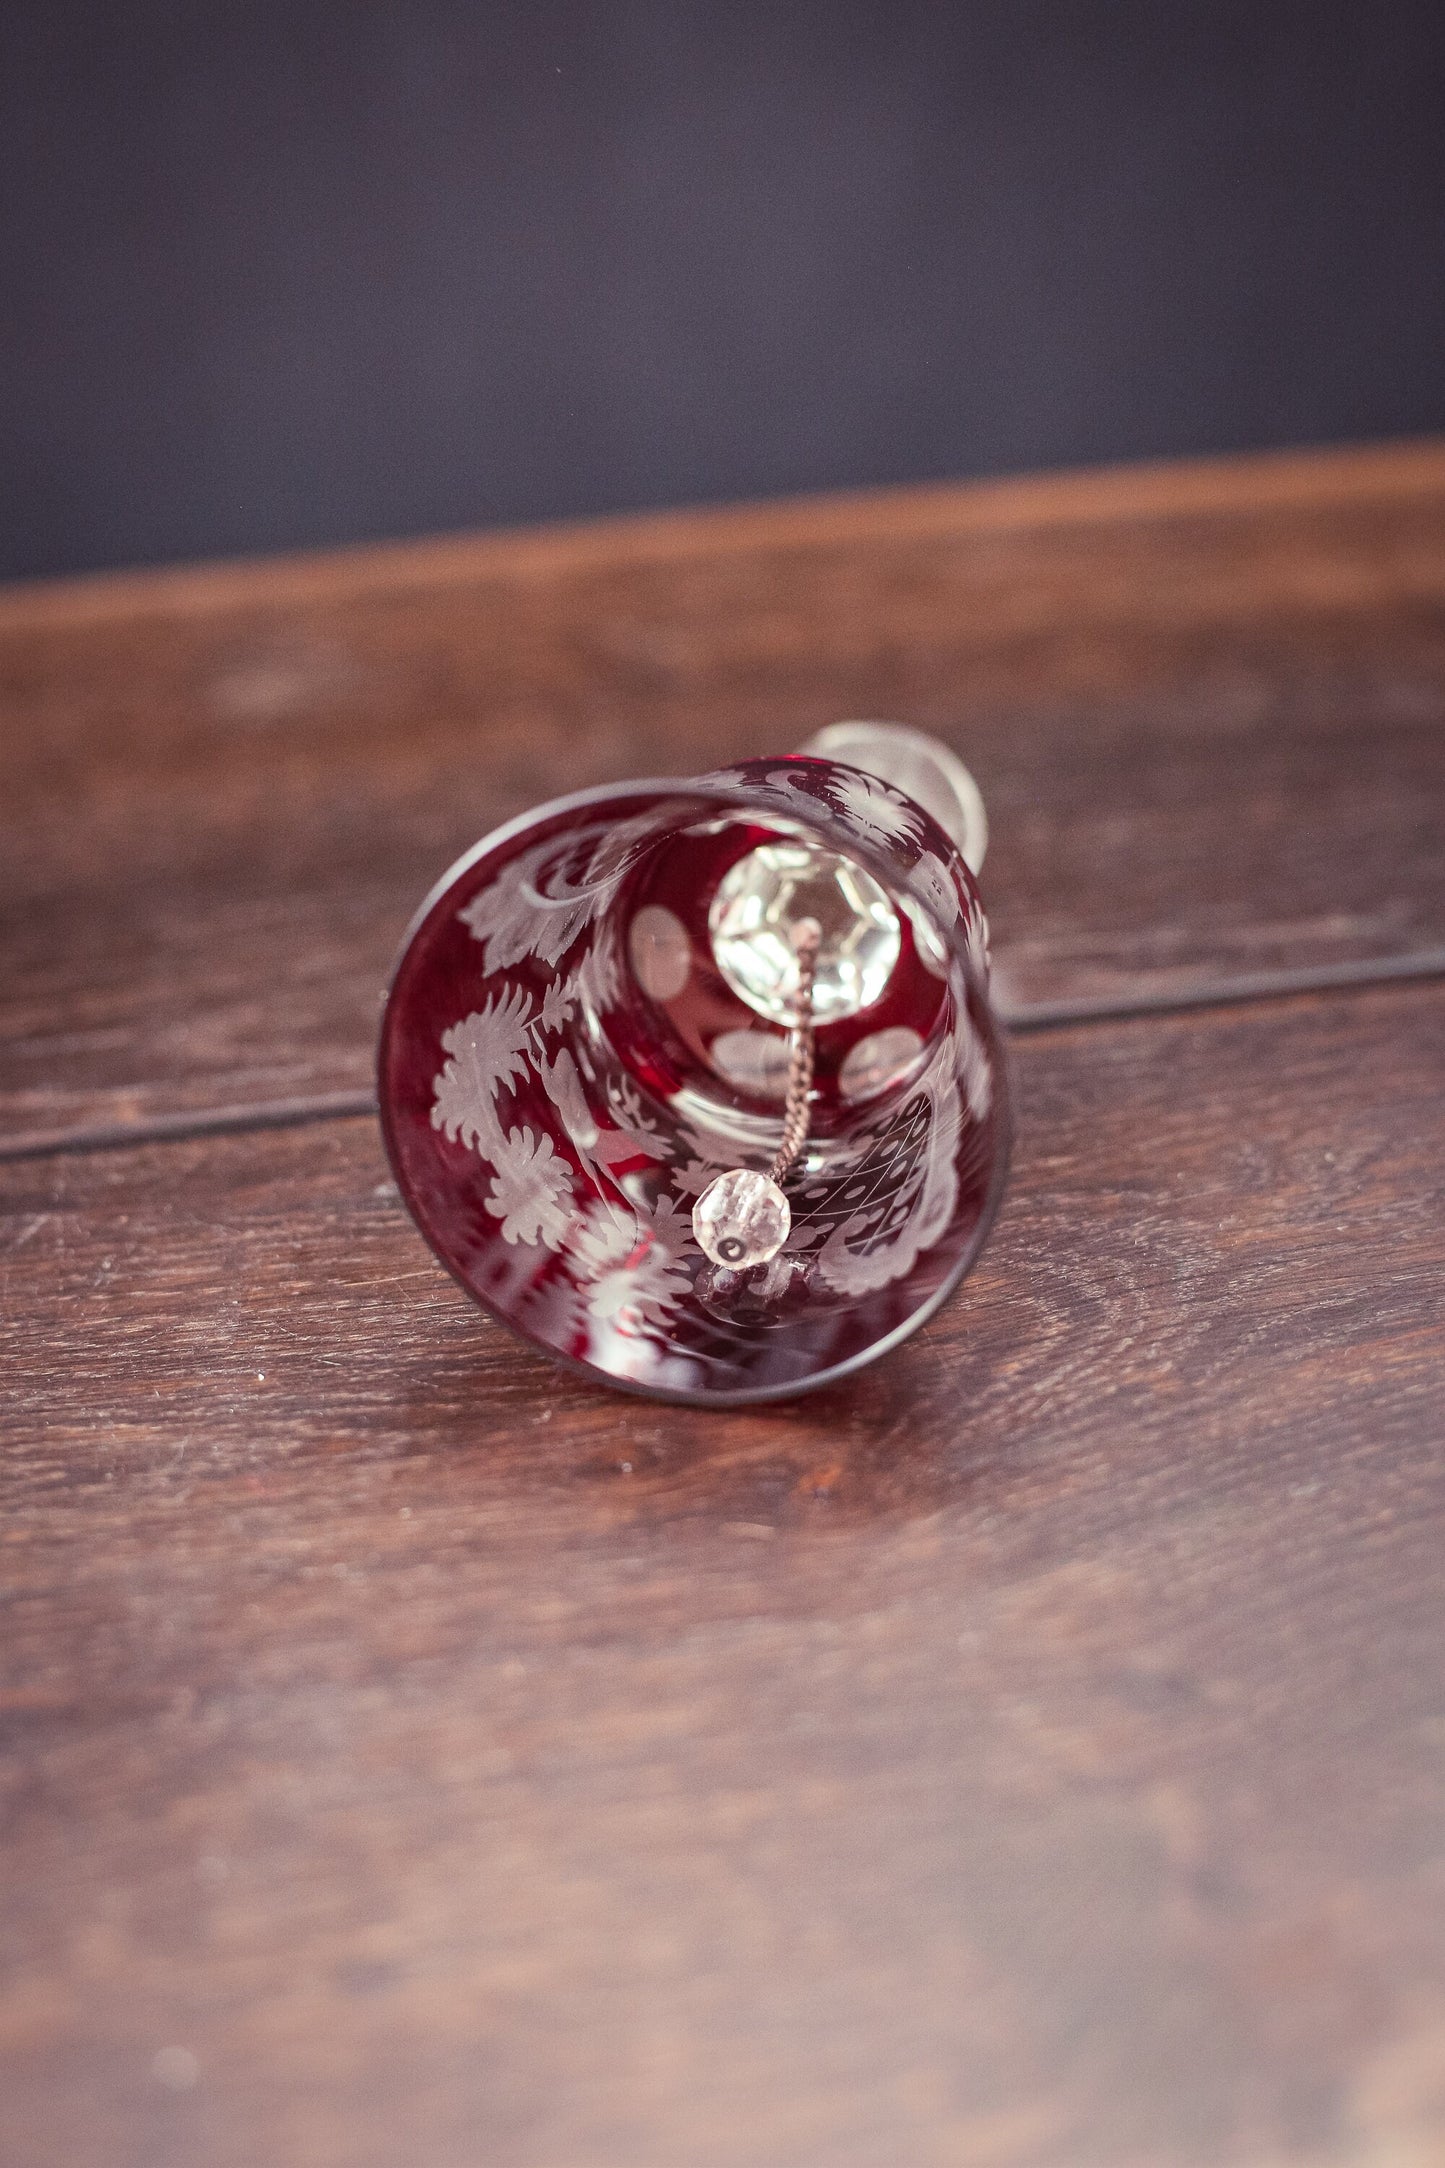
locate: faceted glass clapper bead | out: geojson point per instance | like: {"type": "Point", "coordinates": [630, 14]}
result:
{"type": "Point", "coordinates": [742, 1219]}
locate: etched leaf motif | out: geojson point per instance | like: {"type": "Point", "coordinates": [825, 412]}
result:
{"type": "Point", "coordinates": [553, 1308]}
{"type": "Point", "coordinates": [690, 1177]}
{"type": "Point", "coordinates": [531, 908]}
{"type": "Point", "coordinates": [646, 1292]}
{"type": "Point", "coordinates": [563, 1085]}
{"type": "Point", "coordinates": [632, 1118]}
{"type": "Point", "coordinates": [669, 1229]}
{"type": "Point", "coordinates": [629, 1261]}
{"type": "Point", "coordinates": [558, 1002]}
{"type": "Point", "coordinates": [597, 979]}
{"type": "Point", "coordinates": [487, 1050]}
{"type": "Point", "coordinates": [531, 1192]}
{"type": "Point", "coordinates": [604, 1237]}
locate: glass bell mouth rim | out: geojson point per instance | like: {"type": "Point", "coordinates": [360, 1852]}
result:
{"type": "Point", "coordinates": [703, 797]}
{"type": "Point", "coordinates": [722, 788]}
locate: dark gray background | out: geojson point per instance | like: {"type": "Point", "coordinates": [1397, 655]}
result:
{"type": "Point", "coordinates": [291, 273]}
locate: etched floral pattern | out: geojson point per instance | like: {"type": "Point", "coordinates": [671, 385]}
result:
{"type": "Point", "coordinates": [874, 807]}
{"type": "Point", "coordinates": [531, 1192]}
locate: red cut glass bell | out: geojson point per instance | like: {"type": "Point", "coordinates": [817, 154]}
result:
{"type": "Point", "coordinates": [593, 1017]}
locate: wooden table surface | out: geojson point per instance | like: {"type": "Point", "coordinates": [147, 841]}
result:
{"type": "Point", "coordinates": [1030, 1752]}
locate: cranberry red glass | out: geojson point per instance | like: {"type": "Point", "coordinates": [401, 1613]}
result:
{"type": "Point", "coordinates": [590, 1022]}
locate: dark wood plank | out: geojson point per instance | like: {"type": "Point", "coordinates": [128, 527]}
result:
{"type": "Point", "coordinates": [1032, 1753]}
{"type": "Point", "coordinates": [1204, 703]}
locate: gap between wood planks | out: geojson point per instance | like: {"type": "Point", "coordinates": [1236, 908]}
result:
{"type": "Point", "coordinates": [1260, 987]}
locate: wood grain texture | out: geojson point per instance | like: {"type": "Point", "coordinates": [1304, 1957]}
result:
{"type": "Point", "coordinates": [1204, 705]}
{"type": "Point", "coordinates": [1032, 1752]}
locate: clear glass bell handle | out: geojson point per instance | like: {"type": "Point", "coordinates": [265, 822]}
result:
{"type": "Point", "coordinates": [921, 767]}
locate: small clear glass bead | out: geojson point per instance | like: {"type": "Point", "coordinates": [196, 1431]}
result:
{"type": "Point", "coordinates": [742, 1219]}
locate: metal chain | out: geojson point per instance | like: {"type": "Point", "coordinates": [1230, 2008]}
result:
{"type": "Point", "coordinates": [806, 936]}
